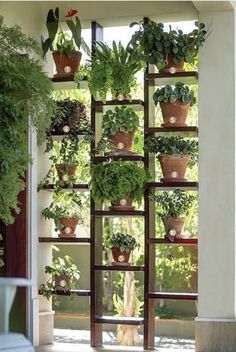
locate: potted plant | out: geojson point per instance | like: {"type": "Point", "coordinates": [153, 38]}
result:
{"type": "Point", "coordinates": [119, 126]}
{"type": "Point", "coordinates": [64, 276]}
{"type": "Point", "coordinates": [64, 46]}
{"type": "Point", "coordinates": [113, 70]}
{"type": "Point", "coordinates": [25, 92]}
{"type": "Point", "coordinates": [174, 154]}
{"type": "Point", "coordinates": [65, 211]}
{"type": "Point", "coordinates": [174, 102]}
{"type": "Point", "coordinates": [119, 183]}
{"type": "Point", "coordinates": [168, 50]}
{"type": "Point", "coordinates": [173, 207]}
{"type": "Point", "coordinates": [121, 246]}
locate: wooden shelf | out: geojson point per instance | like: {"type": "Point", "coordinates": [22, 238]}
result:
{"type": "Point", "coordinates": [99, 159]}
{"type": "Point", "coordinates": [64, 240]}
{"type": "Point", "coordinates": [188, 131]}
{"type": "Point", "coordinates": [79, 293]}
{"type": "Point", "coordinates": [67, 82]}
{"type": "Point", "coordinates": [108, 213]}
{"type": "Point", "coordinates": [173, 295]}
{"type": "Point", "coordinates": [118, 320]}
{"type": "Point", "coordinates": [188, 185]}
{"type": "Point", "coordinates": [82, 187]}
{"type": "Point", "coordinates": [60, 136]}
{"type": "Point", "coordinates": [118, 268]}
{"type": "Point", "coordinates": [137, 104]}
{"type": "Point", "coordinates": [163, 78]}
{"type": "Point", "coordinates": [177, 241]}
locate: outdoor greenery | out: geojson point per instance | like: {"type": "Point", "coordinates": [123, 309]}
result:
{"type": "Point", "coordinates": [115, 180]}
{"type": "Point", "coordinates": [124, 242]}
{"type": "Point", "coordinates": [170, 94]}
{"type": "Point", "coordinates": [25, 103]}
{"type": "Point", "coordinates": [60, 41]}
{"type": "Point", "coordinates": [154, 43]}
{"type": "Point", "coordinates": [173, 145]}
{"type": "Point", "coordinates": [64, 205]}
{"type": "Point", "coordinates": [173, 203]}
{"type": "Point", "coordinates": [122, 119]}
{"type": "Point", "coordinates": [112, 70]}
{"type": "Point", "coordinates": [61, 266]}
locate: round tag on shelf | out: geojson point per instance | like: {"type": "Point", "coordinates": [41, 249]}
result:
{"type": "Point", "coordinates": [172, 119]}
{"type": "Point", "coordinates": [172, 232]}
{"type": "Point", "coordinates": [66, 129]}
{"type": "Point", "coordinates": [174, 174]}
{"type": "Point", "coordinates": [121, 258]}
{"type": "Point", "coordinates": [62, 283]}
{"type": "Point", "coordinates": [172, 70]}
{"type": "Point", "coordinates": [123, 202]}
{"type": "Point", "coordinates": [120, 145]}
{"type": "Point", "coordinates": [68, 230]}
{"type": "Point", "coordinates": [67, 69]}
{"type": "Point", "coordinates": [65, 178]}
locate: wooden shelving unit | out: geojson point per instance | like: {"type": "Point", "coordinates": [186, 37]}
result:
{"type": "Point", "coordinates": [82, 187]}
{"type": "Point", "coordinates": [64, 240]}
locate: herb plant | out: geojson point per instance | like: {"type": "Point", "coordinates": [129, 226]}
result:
{"type": "Point", "coordinates": [122, 119]}
{"type": "Point", "coordinates": [170, 94]}
{"type": "Point", "coordinates": [173, 145]}
{"type": "Point", "coordinates": [25, 97]}
{"type": "Point", "coordinates": [113, 69]}
{"type": "Point", "coordinates": [124, 242]}
{"type": "Point", "coordinates": [173, 204]}
{"type": "Point", "coordinates": [115, 180]}
{"type": "Point", "coordinates": [60, 41]}
{"type": "Point", "coordinates": [61, 266]}
{"type": "Point", "coordinates": [65, 205]}
{"type": "Point", "coordinates": [154, 43]}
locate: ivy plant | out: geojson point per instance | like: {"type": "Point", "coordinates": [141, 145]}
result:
{"type": "Point", "coordinates": [124, 242]}
{"type": "Point", "coordinates": [25, 98]}
{"type": "Point", "coordinates": [115, 180]}
{"type": "Point", "coordinates": [61, 266]}
{"type": "Point", "coordinates": [173, 145]}
{"type": "Point", "coordinates": [154, 43]}
{"type": "Point", "coordinates": [174, 204]}
{"type": "Point", "coordinates": [171, 94]}
{"type": "Point", "coordinates": [122, 119]}
{"type": "Point", "coordinates": [65, 205]}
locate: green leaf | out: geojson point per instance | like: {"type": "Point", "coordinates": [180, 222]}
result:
{"type": "Point", "coordinates": [76, 32]}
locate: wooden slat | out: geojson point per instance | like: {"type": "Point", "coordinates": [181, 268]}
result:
{"type": "Point", "coordinates": [79, 293]}
{"type": "Point", "coordinates": [173, 295]}
{"type": "Point", "coordinates": [163, 78]}
{"type": "Point", "coordinates": [177, 241]}
{"type": "Point", "coordinates": [187, 131]}
{"type": "Point", "coordinates": [118, 267]}
{"type": "Point", "coordinates": [107, 213]}
{"type": "Point", "coordinates": [64, 240]}
{"type": "Point", "coordinates": [99, 103]}
{"type": "Point", "coordinates": [100, 159]}
{"type": "Point", "coordinates": [118, 320]}
{"type": "Point", "coordinates": [188, 185]}
{"type": "Point", "coordinates": [82, 187]}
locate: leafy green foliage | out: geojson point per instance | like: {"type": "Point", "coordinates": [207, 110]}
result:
{"type": "Point", "coordinates": [61, 266]}
{"type": "Point", "coordinates": [173, 145]}
{"type": "Point", "coordinates": [113, 69]}
{"type": "Point", "coordinates": [64, 205]}
{"type": "Point", "coordinates": [174, 203]}
{"type": "Point", "coordinates": [115, 180]}
{"type": "Point", "coordinates": [119, 306]}
{"type": "Point", "coordinates": [170, 94]}
{"type": "Point", "coordinates": [123, 241]}
{"type": "Point", "coordinates": [59, 41]}
{"type": "Point", "coordinates": [24, 99]}
{"type": "Point", "coordinates": [154, 44]}
{"type": "Point", "coordinates": [122, 119]}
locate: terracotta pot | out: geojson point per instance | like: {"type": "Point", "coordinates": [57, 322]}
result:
{"type": "Point", "coordinates": [173, 227]}
{"type": "Point", "coordinates": [65, 170]}
{"type": "Point", "coordinates": [171, 66]}
{"type": "Point", "coordinates": [124, 204]}
{"type": "Point", "coordinates": [173, 167]}
{"type": "Point", "coordinates": [66, 65]}
{"type": "Point", "coordinates": [69, 225]}
{"type": "Point", "coordinates": [123, 142]}
{"type": "Point", "coordinates": [174, 114]}
{"type": "Point", "coordinates": [120, 258]}
{"type": "Point", "coordinates": [62, 282]}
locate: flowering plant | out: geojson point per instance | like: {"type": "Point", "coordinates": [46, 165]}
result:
{"type": "Point", "coordinates": [63, 41]}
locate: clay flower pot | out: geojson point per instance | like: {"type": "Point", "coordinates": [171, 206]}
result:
{"type": "Point", "coordinates": [65, 170]}
{"type": "Point", "coordinates": [124, 204]}
{"type": "Point", "coordinates": [173, 167]}
{"type": "Point", "coordinates": [66, 65]}
{"type": "Point", "coordinates": [62, 282]}
{"type": "Point", "coordinates": [173, 227]}
{"type": "Point", "coordinates": [174, 114]}
{"type": "Point", "coordinates": [69, 225]}
{"type": "Point", "coordinates": [123, 143]}
{"type": "Point", "coordinates": [171, 66]}
{"type": "Point", "coordinates": [120, 258]}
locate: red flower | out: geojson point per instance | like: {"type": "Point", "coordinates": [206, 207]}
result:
{"type": "Point", "coordinates": [71, 13]}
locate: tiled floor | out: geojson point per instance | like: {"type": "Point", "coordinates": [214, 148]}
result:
{"type": "Point", "coordinates": [74, 340]}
